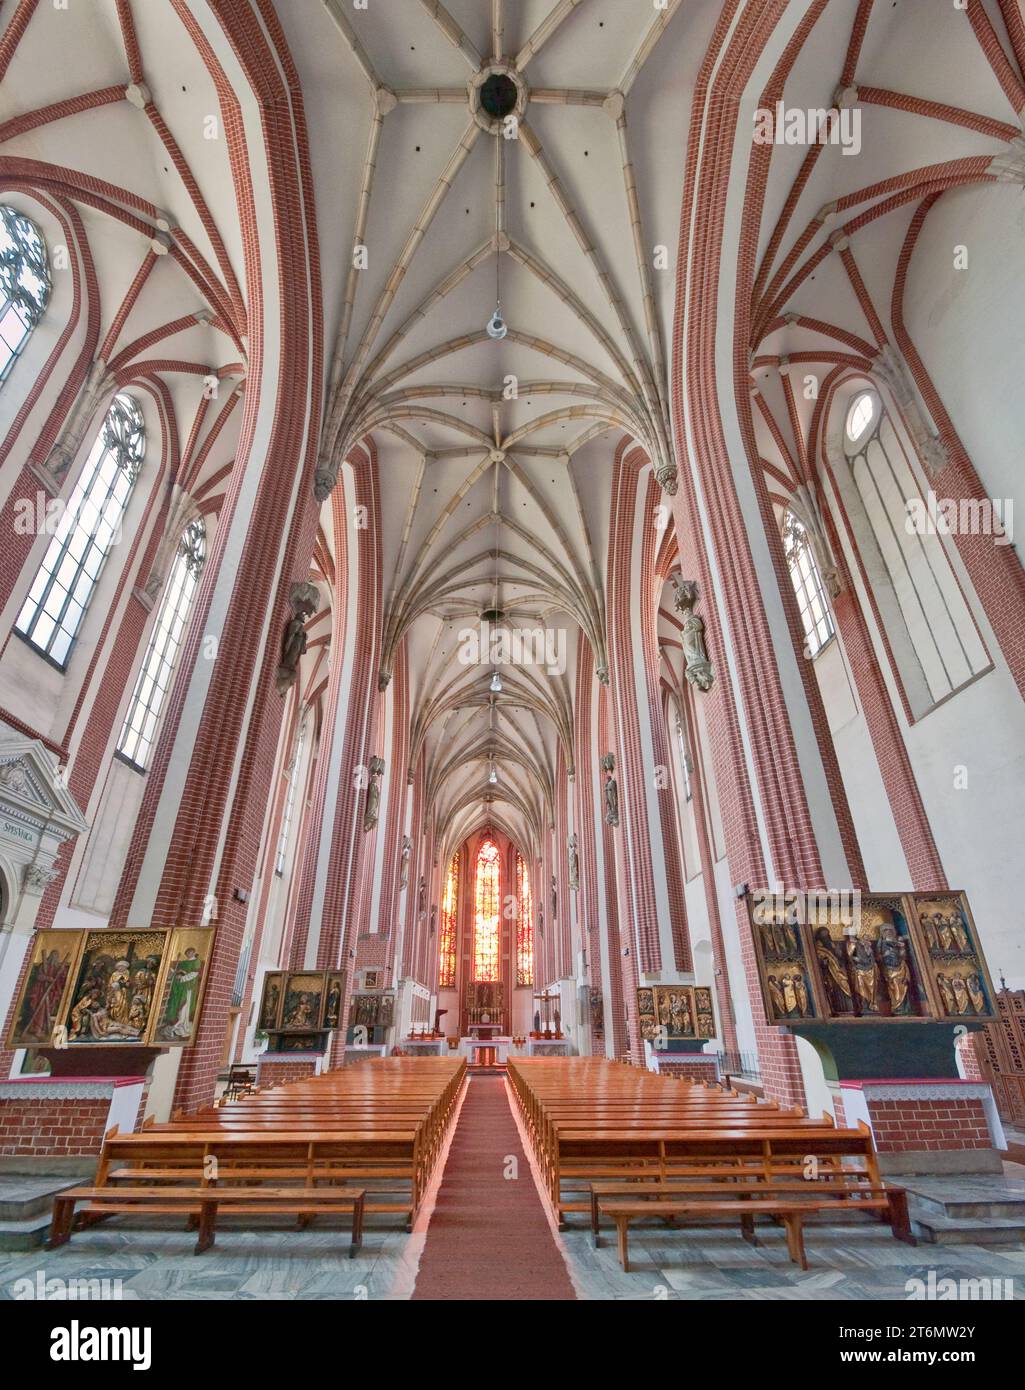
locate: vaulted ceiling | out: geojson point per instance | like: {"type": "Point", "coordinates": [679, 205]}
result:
{"type": "Point", "coordinates": [495, 455]}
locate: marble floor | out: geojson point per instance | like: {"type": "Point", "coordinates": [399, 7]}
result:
{"type": "Point", "coordinates": [855, 1262]}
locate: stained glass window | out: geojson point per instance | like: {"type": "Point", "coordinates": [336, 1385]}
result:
{"type": "Point", "coordinates": [24, 283]}
{"type": "Point", "coordinates": [487, 906]}
{"type": "Point", "coordinates": [524, 924]}
{"type": "Point", "coordinates": [449, 909]}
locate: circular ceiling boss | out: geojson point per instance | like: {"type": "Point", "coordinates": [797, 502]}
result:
{"type": "Point", "coordinates": [498, 97]}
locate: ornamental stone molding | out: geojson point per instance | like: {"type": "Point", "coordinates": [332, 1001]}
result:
{"type": "Point", "coordinates": [38, 814]}
{"type": "Point", "coordinates": [36, 879]}
{"type": "Point", "coordinates": [810, 514]}
{"type": "Point", "coordinates": [30, 1089]}
{"type": "Point", "coordinates": [892, 371]}
{"type": "Point", "coordinates": [920, 1090]}
{"type": "Point", "coordinates": [97, 385]}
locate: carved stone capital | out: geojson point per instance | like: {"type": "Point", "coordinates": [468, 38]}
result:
{"type": "Point", "coordinates": [36, 879]}
{"type": "Point", "coordinates": [667, 478]}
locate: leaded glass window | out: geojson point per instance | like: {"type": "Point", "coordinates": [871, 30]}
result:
{"type": "Point", "coordinates": [807, 581]}
{"type": "Point", "coordinates": [449, 922]}
{"type": "Point", "coordinates": [140, 727]}
{"type": "Point", "coordinates": [87, 532]}
{"type": "Point", "coordinates": [524, 924]}
{"type": "Point", "coordinates": [487, 932]}
{"type": "Point", "coordinates": [24, 283]}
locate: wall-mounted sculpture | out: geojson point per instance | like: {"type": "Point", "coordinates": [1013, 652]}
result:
{"type": "Point", "coordinates": [608, 764]}
{"type": "Point", "coordinates": [698, 668]}
{"type": "Point", "coordinates": [303, 599]}
{"type": "Point", "coordinates": [574, 863]}
{"type": "Point", "coordinates": [373, 808]}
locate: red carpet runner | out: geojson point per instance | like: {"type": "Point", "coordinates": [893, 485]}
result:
{"type": "Point", "coordinates": [489, 1236]}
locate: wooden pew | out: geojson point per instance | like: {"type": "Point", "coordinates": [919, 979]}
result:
{"type": "Point", "coordinates": [637, 1145]}
{"type": "Point", "coordinates": [363, 1139]}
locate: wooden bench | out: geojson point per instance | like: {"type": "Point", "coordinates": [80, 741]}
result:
{"type": "Point", "coordinates": [376, 1130]}
{"type": "Point", "coordinates": [844, 1194]}
{"type": "Point", "coordinates": [204, 1203]}
{"type": "Point", "coordinates": [791, 1214]}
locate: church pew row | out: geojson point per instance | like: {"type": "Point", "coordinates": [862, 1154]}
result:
{"type": "Point", "coordinates": [358, 1140]}
{"type": "Point", "coordinates": [626, 1145]}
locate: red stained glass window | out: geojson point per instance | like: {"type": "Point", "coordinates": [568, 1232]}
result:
{"type": "Point", "coordinates": [524, 924]}
{"type": "Point", "coordinates": [449, 908]}
{"type": "Point", "coordinates": [487, 907]}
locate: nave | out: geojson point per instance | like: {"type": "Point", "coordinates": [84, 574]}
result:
{"type": "Point", "coordinates": [479, 1187]}
{"type": "Point", "coordinates": [512, 649]}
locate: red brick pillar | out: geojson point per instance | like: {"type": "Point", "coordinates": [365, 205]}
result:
{"type": "Point", "coordinates": [216, 754]}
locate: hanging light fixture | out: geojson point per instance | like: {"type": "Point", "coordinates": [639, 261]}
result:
{"type": "Point", "coordinates": [497, 326]}
{"type": "Point", "coordinates": [493, 775]}
{"type": "Point", "coordinates": [496, 683]}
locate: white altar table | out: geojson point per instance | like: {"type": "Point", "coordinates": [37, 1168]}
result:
{"type": "Point", "coordinates": [468, 1047]}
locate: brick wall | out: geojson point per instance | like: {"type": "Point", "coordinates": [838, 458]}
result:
{"type": "Point", "coordinates": [905, 1126]}
{"type": "Point", "coordinates": [274, 1073]}
{"type": "Point", "coordinates": [52, 1128]}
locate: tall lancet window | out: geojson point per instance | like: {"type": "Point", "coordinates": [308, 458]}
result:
{"type": "Point", "coordinates": [524, 924]}
{"type": "Point", "coordinates": [87, 532]}
{"type": "Point", "coordinates": [487, 923]}
{"type": "Point", "coordinates": [807, 582]}
{"type": "Point", "coordinates": [140, 727]}
{"type": "Point", "coordinates": [449, 920]}
{"type": "Point", "coordinates": [24, 283]}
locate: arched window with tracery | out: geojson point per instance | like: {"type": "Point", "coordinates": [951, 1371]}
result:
{"type": "Point", "coordinates": [449, 922]}
{"type": "Point", "coordinates": [24, 283]}
{"type": "Point", "coordinates": [935, 643]}
{"type": "Point", "coordinates": [487, 901]}
{"type": "Point", "coordinates": [524, 924]}
{"type": "Point", "coordinates": [807, 581]}
{"type": "Point", "coordinates": [88, 529]}
{"type": "Point", "coordinates": [140, 727]}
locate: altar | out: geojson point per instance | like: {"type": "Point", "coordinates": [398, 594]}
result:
{"type": "Point", "coordinates": [549, 1047]}
{"type": "Point", "coordinates": [424, 1047]}
{"type": "Point", "coordinates": [475, 1049]}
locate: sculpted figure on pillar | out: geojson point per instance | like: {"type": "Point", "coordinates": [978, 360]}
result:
{"type": "Point", "coordinates": [608, 763]}
{"type": "Point", "coordinates": [303, 599]}
{"type": "Point", "coordinates": [407, 849]}
{"type": "Point", "coordinates": [698, 669]}
{"type": "Point", "coordinates": [574, 863]}
{"type": "Point", "coordinates": [373, 794]}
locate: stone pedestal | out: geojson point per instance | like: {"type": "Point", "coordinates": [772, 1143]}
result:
{"type": "Point", "coordinates": [60, 1122]}
{"type": "Point", "coordinates": [278, 1068]}
{"type": "Point", "coordinates": [901, 1080]}
{"type": "Point", "coordinates": [925, 1125]}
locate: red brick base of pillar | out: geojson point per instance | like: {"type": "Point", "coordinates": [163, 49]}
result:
{"type": "Point", "coordinates": [927, 1126]}
{"type": "Point", "coordinates": [58, 1124]}
{"type": "Point", "coordinates": [694, 1066]}
{"type": "Point", "coordinates": [277, 1069]}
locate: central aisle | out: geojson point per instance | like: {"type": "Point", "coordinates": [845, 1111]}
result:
{"type": "Point", "coordinates": [489, 1237]}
